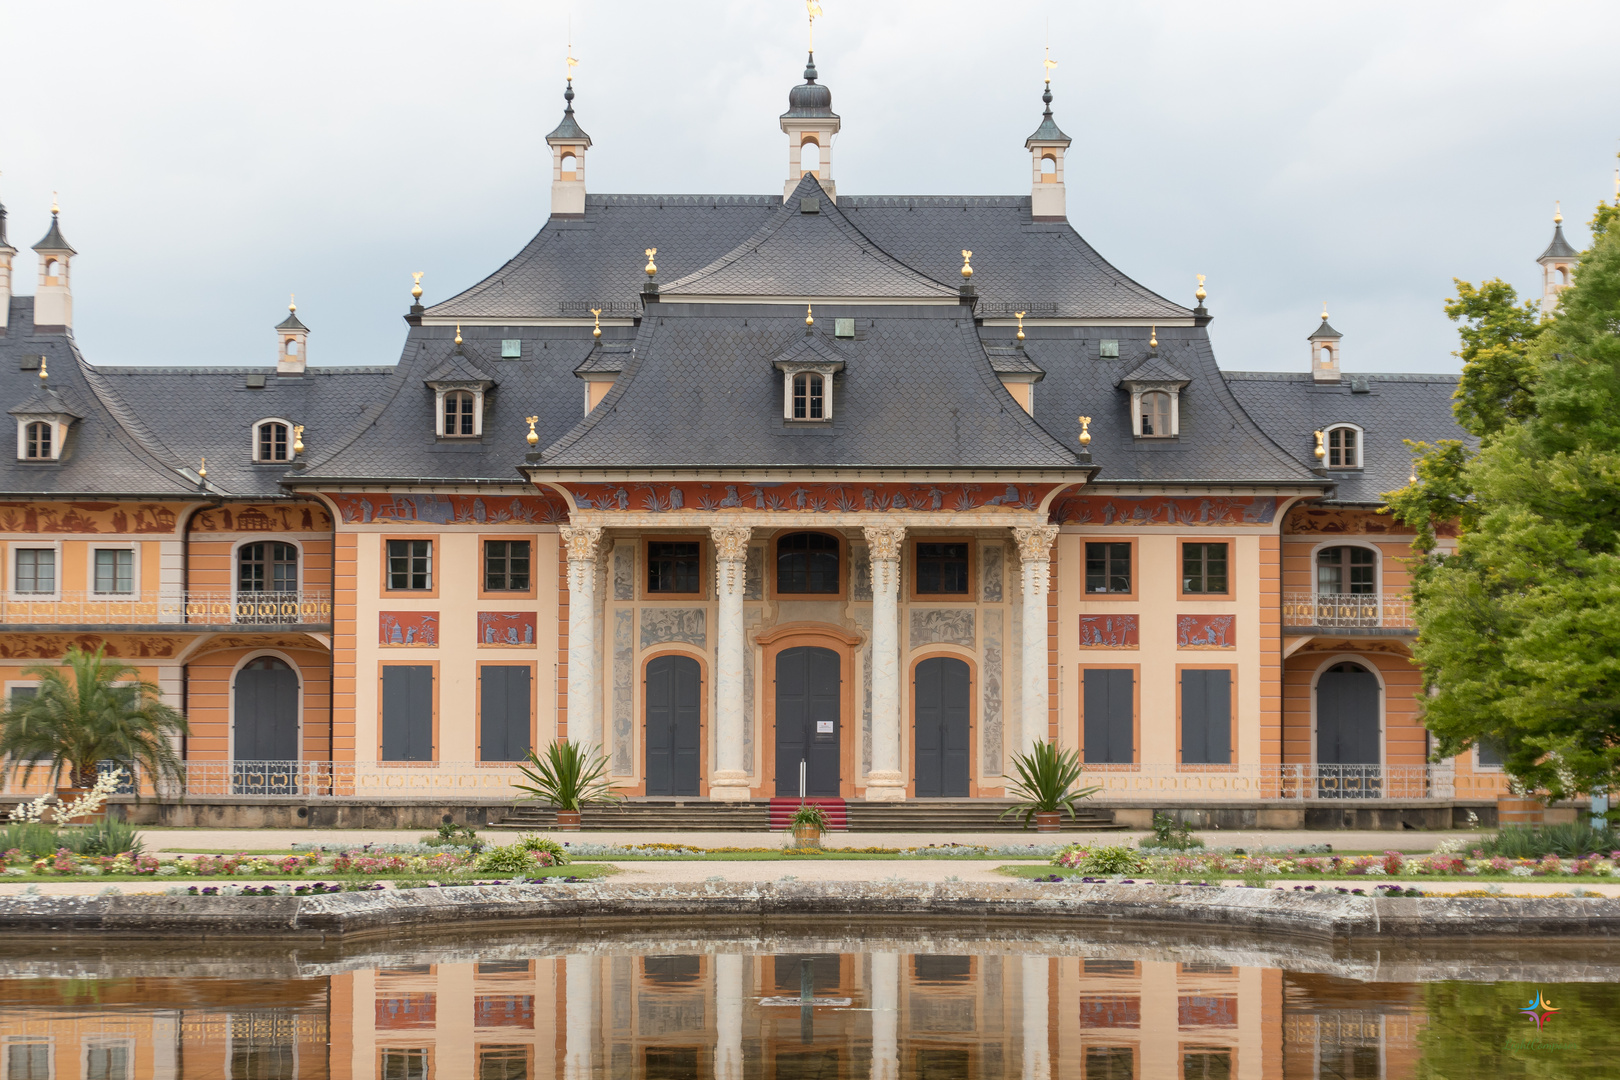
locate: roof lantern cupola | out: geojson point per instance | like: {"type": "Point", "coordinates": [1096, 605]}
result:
{"type": "Point", "coordinates": [292, 342]}
{"type": "Point", "coordinates": [568, 143]}
{"type": "Point", "coordinates": [53, 299]}
{"type": "Point", "coordinates": [1325, 346]}
{"type": "Point", "coordinates": [810, 125]}
{"type": "Point", "coordinates": [1046, 147]}
{"type": "Point", "coordinates": [6, 253]}
{"type": "Point", "coordinates": [1557, 264]}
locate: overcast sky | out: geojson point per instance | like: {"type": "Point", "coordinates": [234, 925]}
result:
{"type": "Point", "coordinates": [213, 157]}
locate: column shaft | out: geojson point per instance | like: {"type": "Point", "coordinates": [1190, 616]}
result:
{"type": "Point", "coordinates": [1037, 1030]}
{"type": "Point", "coordinates": [886, 782]}
{"type": "Point", "coordinates": [579, 1009]}
{"type": "Point", "coordinates": [729, 780]}
{"type": "Point", "coordinates": [1035, 555]}
{"type": "Point", "coordinates": [728, 1016]}
{"type": "Point", "coordinates": [885, 1016]}
{"type": "Point", "coordinates": [584, 681]}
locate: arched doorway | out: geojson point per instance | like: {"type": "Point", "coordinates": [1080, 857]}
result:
{"type": "Point", "coordinates": [808, 695]}
{"type": "Point", "coordinates": [674, 691]}
{"type": "Point", "coordinates": [264, 726]}
{"type": "Point", "coordinates": [941, 686]}
{"type": "Point", "coordinates": [1348, 740]}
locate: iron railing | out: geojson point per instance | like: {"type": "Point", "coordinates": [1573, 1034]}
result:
{"type": "Point", "coordinates": [1370, 611]}
{"type": "Point", "coordinates": [213, 608]}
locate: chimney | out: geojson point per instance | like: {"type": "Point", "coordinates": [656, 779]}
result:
{"type": "Point", "coordinates": [292, 343]}
{"type": "Point", "coordinates": [53, 299]}
{"type": "Point", "coordinates": [1325, 351]}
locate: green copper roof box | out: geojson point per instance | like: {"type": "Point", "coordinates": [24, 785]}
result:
{"type": "Point", "coordinates": [1109, 349]}
{"type": "Point", "coordinates": [810, 204]}
{"type": "Point", "coordinates": [844, 328]}
{"type": "Point", "coordinates": [255, 382]}
{"type": "Point", "coordinates": [511, 348]}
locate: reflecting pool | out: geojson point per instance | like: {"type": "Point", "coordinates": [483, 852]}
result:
{"type": "Point", "coordinates": [804, 1004]}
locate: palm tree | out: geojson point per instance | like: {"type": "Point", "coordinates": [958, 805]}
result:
{"type": "Point", "coordinates": [90, 709]}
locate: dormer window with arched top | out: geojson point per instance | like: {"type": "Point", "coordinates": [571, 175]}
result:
{"type": "Point", "coordinates": [42, 426]}
{"type": "Point", "coordinates": [807, 381]}
{"type": "Point", "coordinates": [1343, 445]}
{"type": "Point", "coordinates": [460, 418]}
{"type": "Point", "coordinates": [272, 441]}
{"type": "Point", "coordinates": [1155, 415]}
{"type": "Point", "coordinates": [809, 396]}
{"type": "Point", "coordinates": [38, 441]}
{"type": "Point", "coordinates": [1155, 387]}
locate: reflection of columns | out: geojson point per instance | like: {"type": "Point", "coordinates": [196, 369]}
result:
{"type": "Point", "coordinates": [729, 780]}
{"type": "Point", "coordinates": [728, 1016]}
{"type": "Point", "coordinates": [885, 782]}
{"type": "Point", "coordinates": [584, 682]}
{"type": "Point", "coordinates": [1035, 555]}
{"type": "Point", "coordinates": [580, 1008]}
{"type": "Point", "coordinates": [1037, 1048]}
{"type": "Point", "coordinates": [885, 1016]}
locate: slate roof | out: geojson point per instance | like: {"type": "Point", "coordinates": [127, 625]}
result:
{"type": "Point", "coordinates": [1012, 360]}
{"type": "Point", "coordinates": [1559, 248]}
{"type": "Point", "coordinates": [54, 240]}
{"type": "Point", "coordinates": [1289, 407]}
{"type": "Point", "coordinates": [569, 128]}
{"type": "Point", "coordinates": [1153, 369]}
{"type": "Point", "coordinates": [292, 322]}
{"type": "Point", "coordinates": [1325, 332]}
{"type": "Point", "coordinates": [1048, 132]}
{"type": "Point", "coordinates": [609, 357]}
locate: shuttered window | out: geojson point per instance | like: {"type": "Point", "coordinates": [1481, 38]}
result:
{"type": "Point", "coordinates": [407, 712]}
{"type": "Point", "coordinates": [503, 712]}
{"type": "Point", "coordinates": [1110, 716]}
{"type": "Point", "coordinates": [1206, 717]}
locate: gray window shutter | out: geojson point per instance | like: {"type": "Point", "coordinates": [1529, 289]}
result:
{"type": "Point", "coordinates": [407, 693]}
{"type": "Point", "coordinates": [1206, 717]}
{"type": "Point", "coordinates": [1110, 708]}
{"type": "Point", "coordinates": [503, 713]}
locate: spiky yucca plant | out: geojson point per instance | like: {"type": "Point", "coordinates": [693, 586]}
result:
{"type": "Point", "coordinates": [569, 777]}
{"type": "Point", "coordinates": [1045, 782]}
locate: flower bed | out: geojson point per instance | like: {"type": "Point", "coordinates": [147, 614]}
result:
{"type": "Point", "coordinates": [1440, 864]}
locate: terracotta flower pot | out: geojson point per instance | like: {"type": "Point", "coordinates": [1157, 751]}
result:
{"type": "Point", "coordinates": [1047, 820]}
{"type": "Point", "coordinates": [1519, 810]}
{"type": "Point", "coordinates": [806, 836]}
{"type": "Point", "coordinates": [65, 795]}
{"type": "Point", "coordinates": [568, 820]}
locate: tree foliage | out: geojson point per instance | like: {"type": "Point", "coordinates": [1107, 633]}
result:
{"type": "Point", "coordinates": [1497, 332]}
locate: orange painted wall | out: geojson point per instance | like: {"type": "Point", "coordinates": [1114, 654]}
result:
{"type": "Point", "coordinates": [344, 624]}
{"type": "Point", "coordinates": [1271, 692]}
{"type": "Point", "coordinates": [209, 701]}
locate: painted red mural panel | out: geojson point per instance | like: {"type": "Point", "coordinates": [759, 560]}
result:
{"type": "Point", "coordinates": [86, 517]}
{"type": "Point", "coordinates": [1206, 631]}
{"type": "Point", "coordinates": [1110, 631]}
{"type": "Point", "coordinates": [808, 498]}
{"type": "Point", "coordinates": [1198, 1010]}
{"type": "Point", "coordinates": [538, 509]}
{"type": "Point", "coordinates": [506, 628]}
{"type": "Point", "coordinates": [1110, 1011]}
{"type": "Point", "coordinates": [408, 628]}
{"type": "Point", "coordinates": [1199, 512]}
{"type": "Point", "coordinates": [406, 1012]}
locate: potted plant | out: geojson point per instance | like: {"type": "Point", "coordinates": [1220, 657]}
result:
{"type": "Point", "coordinates": [809, 822]}
{"type": "Point", "coordinates": [570, 777]}
{"type": "Point", "coordinates": [89, 709]}
{"type": "Point", "coordinates": [1045, 785]}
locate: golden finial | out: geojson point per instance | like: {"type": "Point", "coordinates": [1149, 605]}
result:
{"type": "Point", "coordinates": [1200, 294]}
{"type": "Point", "coordinates": [43, 374]}
{"type": "Point", "coordinates": [458, 333]}
{"type": "Point", "coordinates": [298, 439]}
{"type": "Point", "coordinates": [809, 316]}
{"type": "Point", "coordinates": [1558, 212]}
{"type": "Point", "coordinates": [292, 302]}
{"type": "Point", "coordinates": [814, 10]}
{"type": "Point", "coordinates": [531, 437]}
{"type": "Point", "coordinates": [651, 267]}
{"type": "Point", "coordinates": [1324, 311]}
{"type": "Point", "coordinates": [1411, 476]}
{"type": "Point", "coordinates": [54, 208]}
{"type": "Point", "coordinates": [596, 331]}
{"type": "Point", "coordinates": [967, 270]}
{"type": "Point", "coordinates": [416, 284]}
{"type": "Point", "coordinates": [1050, 63]}
{"type": "Point", "coordinates": [1153, 338]}
{"type": "Point", "coordinates": [202, 469]}
{"type": "Point", "coordinates": [1019, 315]}
{"type": "Point", "coordinates": [1321, 451]}
{"type": "Point", "coordinates": [1085, 431]}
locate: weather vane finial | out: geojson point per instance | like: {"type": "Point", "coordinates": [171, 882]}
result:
{"type": "Point", "coordinates": [569, 63]}
{"type": "Point", "coordinates": [814, 11]}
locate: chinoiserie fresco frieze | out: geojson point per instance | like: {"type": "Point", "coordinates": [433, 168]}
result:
{"type": "Point", "coordinates": [661, 498]}
{"type": "Point", "coordinates": [367, 508]}
{"type": "Point", "coordinates": [86, 517]}
{"type": "Point", "coordinates": [506, 629]}
{"type": "Point", "coordinates": [1110, 632]}
{"type": "Point", "coordinates": [1206, 631]}
{"type": "Point", "coordinates": [1313, 520]}
{"type": "Point", "coordinates": [250, 518]}
{"type": "Point", "coordinates": [408, 628]}
{"type": "Point", "coordinates": [661, 625]}
{"type": "Point", "coordinates": [124, 647]}
{"type": "Point", "coordinates": [1197, 512]}
{"type": "Point", "coordinates": [932, 626]}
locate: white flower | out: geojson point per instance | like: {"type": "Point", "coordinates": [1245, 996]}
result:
{"type": "Point", "coordinates": [1522, 871]}
{"type": "Point", "coordinates": [168, 871]}
{"type": "Point", "coordinates": [16, 871]}
{"type": "Point", "coordinates": [1377, 871]}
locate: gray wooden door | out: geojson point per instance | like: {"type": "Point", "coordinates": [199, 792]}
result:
{"type": "Point", "coordinates": [1110, 704]}
{"type": "Point", "coordinates": [1206, 717]}
{"type": "Point", "coordinates": [940, 700]}
{"type": "Point", "coordinates": [266, 722]}
{"type": "Point", "coordinates": [503, 712]}
{"type": "Point", "coordinates": [807, 721]}
{"type": "Point", "coordinates": [674, 691]}
{"type": "Point", "coordinates": [1347, 716]}
{"type": "Point", "coordinates": [407, 721]}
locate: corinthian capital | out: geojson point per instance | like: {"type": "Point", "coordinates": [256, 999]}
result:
{"type": "Point", "coordinates": [884, 540]}
{"type": "Point", "coordinates": [1035, 542]}
{"type": "Point", "coordinates": [730, 541]}
{"type": "Point", "coordinates": [581, 541]}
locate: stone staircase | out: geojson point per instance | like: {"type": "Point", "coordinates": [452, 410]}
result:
{"type": "Point", "coordinates": [700, 815]}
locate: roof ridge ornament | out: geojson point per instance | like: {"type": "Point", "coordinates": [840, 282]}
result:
{"type": "Point", "coordinates": [1019, 315]}
{"type": "Point", "coordinates": [813, 9]}
{"type": "Point", "coordinates": [967, 268]}
{"type": "Point", "coordinates": [596, 330]}
{"type": "Point", "coordinates": [532, 438]}
{"type": "Point", "coordinates": [1558, 212]}
{"type": "Point", "coordinates": [43, 374]}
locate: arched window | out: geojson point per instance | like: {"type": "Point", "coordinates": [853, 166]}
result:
{"type": "Point", "coordinates": [272, 443]}
{"type": "Point", "coordinates": [1325, 357]}
{"type": "Point", "coordinates": [37, 440]}
{"type": "Point", "coordinates": [267, 566]}
{"type": "Point", "coordinates": [1347, 571]}
{"type": "Point", "coordinates": [569, 163]}
{"type": "Point", "coordinates": [52, 268]}
{"type": "Point", "coordinates": [1155, 415]}
{"type": "Point", "coordinates": [807, 563]}
{"type": "Point", "coordinates": [809, 158]}
{"type": "Point", "coordinates": [292, 347]}
{"type": "Point", "coordinates": [1048, 168]}
{"type": "Point", "coordinates": [809, 401]}
{"type": "Point", "coordinates": [458, 414]}
{"type": "Point", "coordinates": [1343, 448]}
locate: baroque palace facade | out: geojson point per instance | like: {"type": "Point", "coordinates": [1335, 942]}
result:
{"type": "Point", "coordinates": [750, 491]}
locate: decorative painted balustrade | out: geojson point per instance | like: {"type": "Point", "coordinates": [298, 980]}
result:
{"type": "Point", "coordinates": [307, 606]}
{"type": "Point", "coordinates": [1347, 611]}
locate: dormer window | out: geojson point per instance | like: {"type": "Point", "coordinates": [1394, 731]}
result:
{"type": "Point", "coordinates": [1343, 447]}
{"type": "Point", "coordinates": [809, 397]}
{"type": "Point", "coordinates": [1156, 415]}
{"type": "Point", "coordinates": [272, 441]}
{"type": "Point", "coordinates": [1155, 387]}
{"type": "Point", "coordinates": [37, 441]}
{"type": "Point", "coordinates": [460, 419]}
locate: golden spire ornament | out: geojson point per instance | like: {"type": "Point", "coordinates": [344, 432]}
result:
{"type": "Point", "coordinates": [596, 330]}
{"type": "Point", "coordinates": [458, 333]}
{"type": "Point", "coordinates": [1321, 451]}
{"type": "Point", "coordinates": [1324, 311]}
{"type": "Point", "coordinates": [652, 267]}
{"type": "Point", "coordinates": [1019, 315]}
{"type": "Point", "coordinates": [1558, 212]}
{"type": "Point", "coordinates": [1200, 294]}
{"type": "Point", "coordinates": [1085, 431]}
{"type": "Point", "coordinates": [967, 269]}
{"type": "Point", "coordinates": [809, 316]}
{"type": "Point", "coordinates": [531, 438]}
{"type": "Point", "coordinates": [1050, 64]}
{"type": "Point", "coordinates": [416, 285]}
{"type": "Point", "coordinates": [202, 469]}
{"type": "Point", "coordinates": [1153, 338]}
{"type": "Point", "coordinates": [54, 208]}
{"type": "Point", "coordinates": [814, 11]}
{"type": "Point", "coordinates": [43, 374]}
{"type": "Point", "coordinates": [298, 439]}
{"type": "Point", "coordinates": [292, 303]}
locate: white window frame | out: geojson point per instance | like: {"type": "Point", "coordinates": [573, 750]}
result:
{"type": "Point", "coordinates": [791, 369]}
{"type": "Point", "coordinates": [1327, 448]}
{"type": "Point", "coordinates": [59, 427]}
{"type": "Point", "coordinates": [135, 568]}
{"type": "Point", "coordinates": [1480, 766]}
{"type": "Point", "coordinates": [440, 390]}
{"type": "Point", "coordinates": [1139, 390]}
{"type": "Point", "coordinates": [291, 439]}
{"type": "Point", "coordinates": [266, 538]}
{"type": "Point", "coordinates": [28, 1040]}
{"type": "Point", "coordinates": [108, 1042]}
{"type": "Point", "coordinates": [11, 571]}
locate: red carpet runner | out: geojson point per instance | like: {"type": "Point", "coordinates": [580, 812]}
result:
{"type": "Point", "coordinates": [782, 810]}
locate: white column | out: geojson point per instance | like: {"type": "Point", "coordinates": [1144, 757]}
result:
{"type": "Point", "coordinates": [1035, 556]}
{"type": "Point", "coordinates": [729, 780]}
{"type": "Point", "coordinates": [1037, 1048]}
{"type": "Point", "coordinates": [886, 782]}
{"type": "Point", "coordinates": [580, 1015]}
{"type": "Point", "coordinates": [728, 1016]}
{"type": "Point", "coordinates": [885, 1016]}
{"type": "Point", "coordinates": [584, 681]}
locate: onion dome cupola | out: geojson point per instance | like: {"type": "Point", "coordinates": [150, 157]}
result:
{"type": "Point", "coordinates": [1047, 201]}
{"type": "Point", "coordinates": [1557, 264]}
{"type": "Point", "coordinates": [1325, 348]}
{"type": "Point", "coordinates": [53, 299]}
{"type": "Point", "coordinates": [810, 125]}
{"type": "Point", "coordinates": [568, 142]}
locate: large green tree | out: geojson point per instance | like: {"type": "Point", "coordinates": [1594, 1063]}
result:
{"type": "Point", "coordinates": [1520, 629]}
